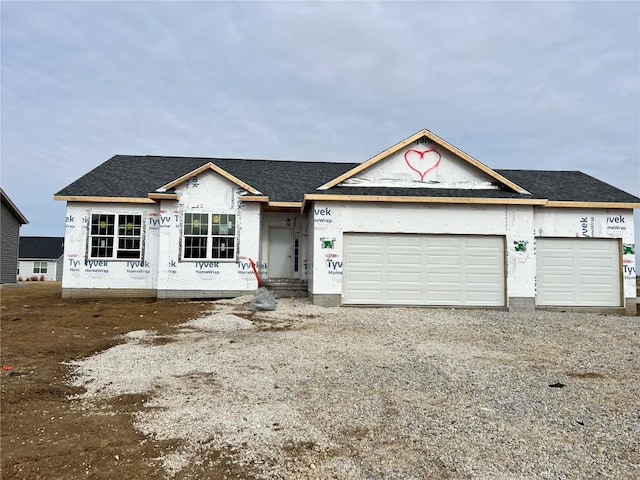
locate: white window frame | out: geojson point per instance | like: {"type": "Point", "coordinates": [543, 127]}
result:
{"type": "Point", "coordinates": [117, 232]}
{"type": "Point", "coordinates": [39, 269]}
{"type": "Point", "coordinates": [221, 229]}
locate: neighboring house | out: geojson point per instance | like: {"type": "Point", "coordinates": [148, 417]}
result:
{"type": "Point", "coordinates": [11, 219]}
{"type": "Point", "coordinates": [422, 223]}
{"type": "Point", "coordinates": [41, 257]}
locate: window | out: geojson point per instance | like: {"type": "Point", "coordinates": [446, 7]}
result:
{"type": "Point", "coordinates": [39, 267]}
{"type": "Point", "coordinates": [296, 253]}
{"type": "Point", "coordinates": [209, 236]}
{"type": "Point", "coordinates": [115, 236]}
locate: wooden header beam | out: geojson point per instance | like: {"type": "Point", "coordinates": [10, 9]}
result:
{"type": "Point", "coordinates": [261, 199]}
{"type": "Point", "coordinates": [155, 197]}
{"type": "Point", "coordinates": [451, 200]}
{"type": "Point", "coordinates": [163, 196]}
{"type": "Point", "coordinates": [608, 205]}
{"type": "Point", "coordinates": [74, 198]}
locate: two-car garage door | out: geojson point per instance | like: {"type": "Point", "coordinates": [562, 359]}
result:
{"type": "Point", "coordinates": [411, 269]}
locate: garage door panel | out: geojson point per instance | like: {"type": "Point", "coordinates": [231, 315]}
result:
{"type": "Point", "coordinates": [403, 241]}
{"type": "Point", "coordinates": [578, 272]}
{"type": "Point", "coordinates": [444, 297]}
{"type": "Point", "coordinates": [365, 277]}
{"type": "Point", "coordinates": [594, 280]}
{"type": "Point", "coordinates": [598, 246]}
{"type": "Point", "coordinates": [483, 299]}
{"type": "Point", "coordinates": [404, 296]}
{"type": "Point", "coordinates": [448, 260]}
{"type": "Point", "coordinates": [443, 278]}
{"type": "Point", "coordinates": [490, 252]}
{"type": "Point", "coordinates": [557, 261]}
{"type": "Point", "coordinates": [445, 241]}
{"type": "Point", "coordinates": [483, 261]}
{"type": "Point", "coordinates": [365, 259]}
{"type": "Point", "coordinates": [598, 298]}
{"type": "Point", "coordinates": [561, 298]}
{"type": "Point", "coordinates": [595, 263]}
{"type": "Point", "coordinates": [404, 259]}
{"type": "Point", "coordinates": [557, 279]}
{"type": "Point", "coordinates": [367, 294]}
{"type": "Point", "coordinates": [366, 241]}
{"type": "Point", "coordinates": [483, 279]}
{"type": "Point", "coordinates": [404, 277]}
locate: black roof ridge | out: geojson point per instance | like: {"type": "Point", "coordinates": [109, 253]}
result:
{"type": "Point", "coordinates": [236, 158]}
{"type": "Point", "coordinates": [536, 170]}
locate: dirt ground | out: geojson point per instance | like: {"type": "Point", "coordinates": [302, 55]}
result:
{"type": "Point", "coordinates": [42, 436]}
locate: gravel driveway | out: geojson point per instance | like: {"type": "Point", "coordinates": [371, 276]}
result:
{"type": "Point", "coordinates": [387, 393]}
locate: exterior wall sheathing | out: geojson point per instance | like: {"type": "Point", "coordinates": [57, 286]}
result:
{"type": "Point", "coordinates": [163, 272]}
{"type": "Point", "coordinates": [332, 220]}
{"type": "Point", "coordinates": [519, 225]}
{"type": "Point", "coordinates": [595, 223]}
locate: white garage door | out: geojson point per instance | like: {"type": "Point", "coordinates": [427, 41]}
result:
{"type": "Point", "coordinates": [405, 269]}
{"type": "Point", "coordinates": [583, 272]}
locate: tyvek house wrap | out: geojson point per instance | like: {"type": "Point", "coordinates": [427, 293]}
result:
{"type": "Point", "coordinates": [162, 266]}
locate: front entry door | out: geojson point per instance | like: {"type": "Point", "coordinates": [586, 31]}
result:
{"type": "Point", "coordinates": [279, 252]}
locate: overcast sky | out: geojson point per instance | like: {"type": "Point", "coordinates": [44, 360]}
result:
{"type": "Point", "coordinates": [541, 85]}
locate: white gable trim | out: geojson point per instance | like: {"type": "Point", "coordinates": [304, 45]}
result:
{"type": "Point", "coordinates": [447, 146]}
{"type": "Point", "coordinates": [204, 168]}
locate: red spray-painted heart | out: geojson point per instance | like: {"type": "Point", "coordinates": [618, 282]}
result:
{"type": "Point", "coordinates": [422, 162]}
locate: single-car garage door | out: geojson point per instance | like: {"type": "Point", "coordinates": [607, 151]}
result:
{"type": "Point", "coordinates": [582, 272]}
{"type": "Point", "coordinates": [437, 270]}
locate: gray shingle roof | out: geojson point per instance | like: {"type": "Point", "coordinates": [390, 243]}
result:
{"type": "Point", "coordinates": [570, 186]}
{"type": "Point", "coordinates": [41, 247]}
{"type": "Point", "coordinates": [288, 181]}
{"type": "Point", "coordinates": [136, 176]}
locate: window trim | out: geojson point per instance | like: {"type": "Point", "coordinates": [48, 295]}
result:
{"type": "Point", "coordinates": [116, 237]}
{"type": "Point", "coordinates": [209, 237]}
{"type": "Point", "coordinates": [40, 264]}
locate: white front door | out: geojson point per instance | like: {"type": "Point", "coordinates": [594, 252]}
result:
{"type": "Point", "coordinates": [280, 252]}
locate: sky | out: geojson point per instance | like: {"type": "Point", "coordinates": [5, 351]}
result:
{"type": "Point", "coordinates": [517, 85]}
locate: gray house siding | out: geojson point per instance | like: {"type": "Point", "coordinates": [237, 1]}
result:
{"type": "Point", "coordinates": [59, 269]}
{"type": "Point", "coordinates": [9, 246]}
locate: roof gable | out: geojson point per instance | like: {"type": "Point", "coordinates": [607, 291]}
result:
{"type": "Point", "coordinates": [12, 208]}
{"type": "Point", "coordinates": [424, 160]}
{"type": "Point", "coordinates": [207, 168]}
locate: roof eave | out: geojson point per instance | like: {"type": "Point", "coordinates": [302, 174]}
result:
{"type": "Point", "coordinates": [163, 196]}
{"type": "Point", "coordinates": [582, 204]}
{"type": "Point", "coordinates": [78, 198]}
{"type": "Point", "coordinates": [405, 199]}
{"type": "Point", "coordinates": [14, 209]}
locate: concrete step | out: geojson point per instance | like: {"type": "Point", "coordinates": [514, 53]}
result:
{"type": "Point", "coordinates": [288, 288]}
